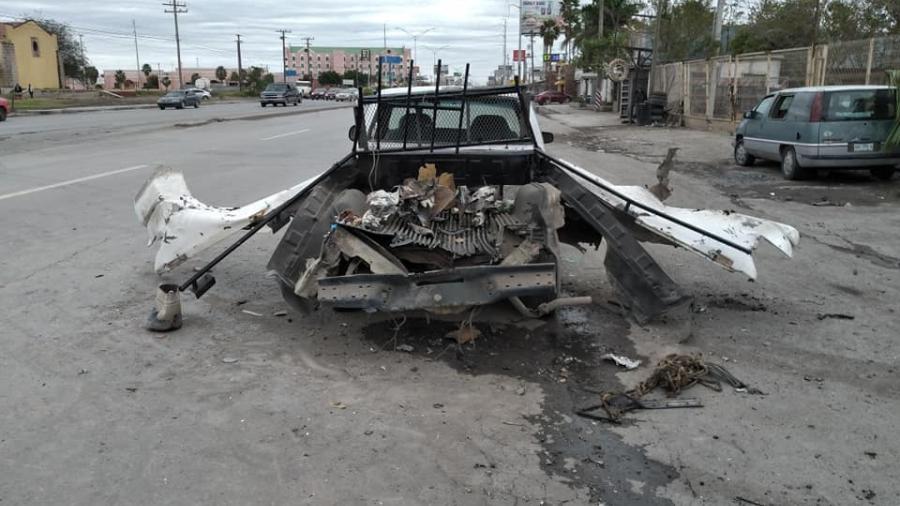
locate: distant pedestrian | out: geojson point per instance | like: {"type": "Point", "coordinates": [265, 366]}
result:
{"type": "Point", "coordinates": [18, 90]}
{"type": "Point", "coordinates": [30, 91]}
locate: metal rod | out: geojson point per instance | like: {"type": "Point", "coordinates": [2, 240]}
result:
{"type": "Point", "coordinates": [262, 223]}
{"type": "Point", "coordinates": [578, 171]}
{"type": "Point", "coordinates": [526, 112]}
{"type": "Point", "coordinates": [378, 108]}
{"type": "Point", "coordinates": [447, 94]}
{"type": "Point", "coordinates": [437, 89]}
{"type": "Point", "coordinates": [462, 108]}
{"type": "Point", "coordinates": [408, 96]}
{"type": "Point", "coordinates": [360, 117]}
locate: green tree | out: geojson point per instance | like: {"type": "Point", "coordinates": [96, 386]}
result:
{"type": "Point", "coordinates": [549, 31]}
{"type": "Point", "coordinates": [570, 12]}
{"type": "Point", "coordinates": [234, 77]}
{"type": "Point", "coordinates": [91, 74]}
{"type": "Point", "coordinates": [330, 77]}
{"type": "Point", "coordinates": [120, 79]}
{"type": "Point", "coordinates": [166, 82]}
{"type": "Point", "coordinates": [596, 52]}
{"type": "Point", "coordinates": [152, 82]}
{"type": "Point", "coordinates": [146, 69]}
{"type": "Point", "coordinates": [70, 50]}
{"type": "Point", "coordinates": [685, 31]}
{"type": "Point", "coordinates": [194, 77]}
{"type": "Point", "coordinates": [221, 73]}
{"type": "Point", "coordinates": [356, 76]}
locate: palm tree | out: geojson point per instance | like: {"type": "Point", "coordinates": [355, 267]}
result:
{"type": "Point", "coordinates": [120, 79]}
{"type": "Point", "coordinates": [570, 12]}
{"type": "Point", "coordinates": [146, 69]}
{"type": "Point", "coordinates": [549, 32]}
{"type": "Point", "coordinates": [221, 73]}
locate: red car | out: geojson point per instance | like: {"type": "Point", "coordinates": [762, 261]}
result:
{"type": "Point", "coordinates": [550, 96]}
{"type": "Point", "coordinates": [4, 108]}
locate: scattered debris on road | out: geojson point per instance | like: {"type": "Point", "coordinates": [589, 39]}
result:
{"type": "Point", "coordinates": [673, 374]}
{"type": "Point", "coordinates": [622, 360]}
{"type": "Point", "coordinates": [836, 316]}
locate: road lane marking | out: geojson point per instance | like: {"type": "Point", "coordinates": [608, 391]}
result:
{"type": "Point", "coordinates": [285, 135]}
{"type": "Point", "coordinates": [70, 182]}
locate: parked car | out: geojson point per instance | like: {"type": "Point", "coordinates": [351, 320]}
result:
{"type": "Point", "coordinates": [203, 94]}
{"type": "Point", "coordinates": [4, 109]}
{"type": "Point", "coordinates": [318, 94]}
{"type": "Point", "coordinates": [179, 99]}
{"type": "Point", "coordinates": [822, 127]}
{"type": "Point", "coordinates": [347, 94]}
{"type": "Point", "coordinates": [550, 96]}
{"type": "Point", "coordinates": [280, 93]}
{"type": "Point", "coordinates": [331, 94]}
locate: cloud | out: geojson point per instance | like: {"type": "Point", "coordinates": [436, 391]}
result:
{"type": "Point", "coordinates": [473, 29]}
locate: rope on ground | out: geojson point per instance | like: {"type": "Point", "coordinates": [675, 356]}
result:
{"type": "Point", "coordinates": [674, 373]}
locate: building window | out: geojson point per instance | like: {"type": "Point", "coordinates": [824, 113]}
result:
{"type": "Point", "coordinates": [35, 48]}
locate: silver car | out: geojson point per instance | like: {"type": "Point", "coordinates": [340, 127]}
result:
{"type": "Point", "coordinates": [821, 127]}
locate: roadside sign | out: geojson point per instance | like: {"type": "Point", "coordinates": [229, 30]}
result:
{"type": "Point", "coordinates": [391, 59]}
{"type": "Point", "coordinates": [518, 55]}
{"type": "Point", "coordinates": [290, 73]}
{"type": "Point", "coordinates": [546, 57]}
{"type": "Point", "coordinates": [348, 82]}
{"type": "Point", "coordinates": [445, 69]}
{"type": "Point", "coordinates": [555, 57]}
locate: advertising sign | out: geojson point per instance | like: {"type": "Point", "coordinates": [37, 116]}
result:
{"type": "Point", "coordinates": [535, 12]}
{"type": "Point", "coordinates": [518, 55]}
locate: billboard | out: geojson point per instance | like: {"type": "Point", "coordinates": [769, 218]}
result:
{"type": "Point", "coordinates": [535, 12]}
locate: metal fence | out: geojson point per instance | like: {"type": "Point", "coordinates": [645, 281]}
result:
{"type": "Point", "coordinates": [722, 88]}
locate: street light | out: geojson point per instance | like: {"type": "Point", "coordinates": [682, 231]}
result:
{"type": "Point", "coordinates": [434, 52]}
{"type": "Point", "coordinates": [415, 37]}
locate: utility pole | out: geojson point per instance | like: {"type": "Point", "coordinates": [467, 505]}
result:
{"type": "Point", "coordinates": [309, 60]}
{"type": "Point", "coordinates": [660, 7]}
{"type": "Point", "coordinates": [83, 68]}
{"type": "Point", "coordinates": [717, 25]}
{"type": "Point", "coordinates": [505, 61]}
{"type": "Point", "coordinates": [137, 56]}
{"type": "Point", "coordinates": [283, 55]}
{"type": "Point", "coordinates": [177, 8]}
{"type": "Point", "coordinates": [240, 69]}
{"type": "Point", "coordinates": [600, 26]}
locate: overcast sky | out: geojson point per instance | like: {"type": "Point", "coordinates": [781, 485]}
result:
{"type": "Point", "coordinates": [473, 29]}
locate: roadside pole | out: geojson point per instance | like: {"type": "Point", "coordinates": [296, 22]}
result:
{"type": "Point", "coordinates": [177, 8]}
{"type": "Point", "coordinates": [240, 69]}
{"type": "Point", "coordinates": [283, 55]}
{"type": "Point", "coordinates": [137, 56]}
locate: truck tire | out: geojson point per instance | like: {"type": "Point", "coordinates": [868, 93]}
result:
{"type": "Point", "coordinates": [741, 156]}
{"type": "Point", "coordinates": [2, 114]}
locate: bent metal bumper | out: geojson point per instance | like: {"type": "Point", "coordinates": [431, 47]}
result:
{"type": "Point", "coordinates": [463, 286]}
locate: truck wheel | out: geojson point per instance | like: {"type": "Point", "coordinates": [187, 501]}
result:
{"type": "Point", "coordinates": [162, 108]}
{"type": "Point", "coordinates": [196, 104]}
{"type": "Point", "coordinates": [262, 104]}
{"type": "Point", "coordinates": [180, 106]}
{"type": "Point", "coordinates": [2, 114]}
{"type": "Point", "coordinates": [790, 168]}
{"type": "Point", "coordinates": [741, 156]}
{"type": "Point", "coordinates": [883, 173]}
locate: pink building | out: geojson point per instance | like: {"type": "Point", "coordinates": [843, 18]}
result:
{"type": "Point", "coordinates": [132, 77]}
{"type": "Point", "coordinates": [342, 59]}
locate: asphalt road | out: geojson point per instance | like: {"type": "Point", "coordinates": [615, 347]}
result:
{"type": "Point", "coordinates": [237, 408]}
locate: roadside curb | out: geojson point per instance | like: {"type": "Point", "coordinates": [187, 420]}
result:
{"type": "Point", "coordinates": [252, 117]}
{"type": "Point", "coordinates": [77, 110]}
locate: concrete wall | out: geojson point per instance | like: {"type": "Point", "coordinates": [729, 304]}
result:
{"type": "Point", "coordinates": [8, 75]}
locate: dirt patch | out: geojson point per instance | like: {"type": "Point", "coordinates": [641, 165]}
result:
{"type": "Point", "coordinates": [563, 358]}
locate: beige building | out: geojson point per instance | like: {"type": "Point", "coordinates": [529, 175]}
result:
{"type": "Point", "coordinates": [28, 55]}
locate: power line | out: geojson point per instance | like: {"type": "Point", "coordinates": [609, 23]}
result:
{"type": "Point", "coordinates": [177, 8]}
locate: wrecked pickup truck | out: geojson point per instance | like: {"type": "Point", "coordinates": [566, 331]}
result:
{"type": "Point", "coordinates": [446, 201]}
